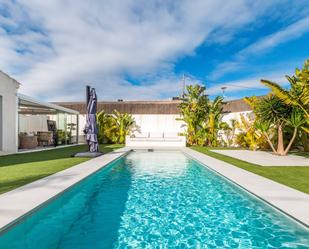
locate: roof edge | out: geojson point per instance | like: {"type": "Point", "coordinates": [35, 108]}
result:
{"type": "Point", "coordinates": [11, 78]}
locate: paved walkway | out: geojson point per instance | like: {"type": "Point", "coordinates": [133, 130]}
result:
{"type": "Point", "coordinates": [265, 158]}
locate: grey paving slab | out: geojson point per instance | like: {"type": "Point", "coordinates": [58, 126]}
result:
{"type": "Point", "coordinates": [264, 158]}
{"type": "Point", "coordinates": [19, 202]}
{"type": "Point", "coordinates": [292, 202]}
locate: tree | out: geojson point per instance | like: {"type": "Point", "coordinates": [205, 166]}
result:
{"type": "Point", "coordinates": [296, 120]}
{"type": "Point", "coordinates": [298, 94]}
{"type": "Point", "coordinates": [202, 116]}
{"type": "Point", "coordinates": [106, 127]}
{"type": "Point", "coordinates": [249, 136]}
{"type": "Point", "coordinates": [213, 120]}
{"type": "Point", "coordinates": [228, 131]}
{"type": "Point", "coordinates": [115, 127]}
{"type": "Point", "coordinates": [272, 112]}
{"type": "Point", "coordinates": [194, 108]}
{"type": "Point", "coordinates": [124, 125]}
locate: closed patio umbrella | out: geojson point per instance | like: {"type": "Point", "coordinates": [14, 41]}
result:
{"type": "Point", "coordinates": [91, 128]}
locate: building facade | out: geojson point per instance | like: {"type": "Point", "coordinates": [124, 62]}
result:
{"type": "Point", "coordinates": [161, 116]}
{"type": "Point", "coordinates": [150, 116]}
{"type": "Point", "coordinates": [8, 114]}
{"type": "Point", "coordinates": [23, 120]}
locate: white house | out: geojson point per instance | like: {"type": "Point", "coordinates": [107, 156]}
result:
{"type": "Point", "coordinates": [23, 120]}
{"type": "Point", "coordinates": [8, 114]}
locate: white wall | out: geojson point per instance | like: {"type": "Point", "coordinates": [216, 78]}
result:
{"type": "Point", "coordinates": [164, 122]}
{"type": "Point", "coordinates": [227, 117]}
{"type": "Point", "coordinates": [159, 123]}
{"type": "Point", "coordinates": [8, 135]}
{"type": "Point", "coordinates": [147, 123]}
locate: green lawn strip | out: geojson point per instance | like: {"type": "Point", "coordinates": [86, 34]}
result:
{"type": "Point", "coordinates": [292, 176]}
{"type": "Point", "coordinates": [19, 169]}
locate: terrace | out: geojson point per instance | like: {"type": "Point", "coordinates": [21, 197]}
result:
{"type": "Point", "coordinates": [34, 131]}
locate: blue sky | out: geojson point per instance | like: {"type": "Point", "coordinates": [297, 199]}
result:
{"type": "Point", "coordinates": [140, 49]}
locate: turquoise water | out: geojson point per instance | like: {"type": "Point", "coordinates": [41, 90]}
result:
{"type": "Point", "coordinates": [156, 200]}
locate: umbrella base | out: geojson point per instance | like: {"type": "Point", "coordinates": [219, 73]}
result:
{"type": "Point", "coordinates": [88, 154]}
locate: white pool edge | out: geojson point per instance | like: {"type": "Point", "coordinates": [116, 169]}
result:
{"type": "Point", "coordinates": [290, 201]}
{"type": "Point", "coordinates": [22, 201]}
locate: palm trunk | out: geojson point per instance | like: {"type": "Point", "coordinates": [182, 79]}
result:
{"type": "Point", "coordinates": [290, 143]}
{"type": "Point", "coordinates": [269, 142]}
{"type": "Point", "coordinates": [280, 146]}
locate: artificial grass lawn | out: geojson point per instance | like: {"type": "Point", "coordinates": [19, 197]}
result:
{"type": "Point", "coordinates": [19, 169]}
{"type": "Point", "coordinates": [294, 177]}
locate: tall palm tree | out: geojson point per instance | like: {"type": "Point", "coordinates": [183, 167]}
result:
{"type": "Point", "coordinates": [213, 120]}
{"type": "Point", "coordinates": [194, 108]}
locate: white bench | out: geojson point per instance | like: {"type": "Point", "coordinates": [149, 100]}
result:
{"type": "Point", "coordinates": [156, 139]}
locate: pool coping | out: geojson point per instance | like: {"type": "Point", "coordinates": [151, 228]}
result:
{"type": "Point", "coordinates": [290, 201]}
{"type": "Point", "coordinates": [22, 201]}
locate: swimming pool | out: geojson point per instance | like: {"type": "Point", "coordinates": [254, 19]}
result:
{"type": "Point", "coordinates": [156, 200]}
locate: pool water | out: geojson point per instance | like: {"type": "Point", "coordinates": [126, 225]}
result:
{"type": "Point", "coordinates": [156, 200]}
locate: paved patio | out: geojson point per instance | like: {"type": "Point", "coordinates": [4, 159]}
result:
{"type": "Point", "coordinates": [265, 158]}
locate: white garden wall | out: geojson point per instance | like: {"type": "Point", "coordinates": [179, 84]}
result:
{"type": "Point", "coordinates": [161, 123]}
{"type": "Point", "coordinates": [227, 117]}
{"type": "Point", "coordinates": [149, 123]}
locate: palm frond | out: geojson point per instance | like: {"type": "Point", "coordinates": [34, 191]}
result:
{"type": "Point", "coordinates": [280, 92]}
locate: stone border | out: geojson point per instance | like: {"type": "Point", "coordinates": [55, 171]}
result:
{"type": "Point", "coordinates": [20, 202]}
{"type": "Point", "coordinates": [288, 200]}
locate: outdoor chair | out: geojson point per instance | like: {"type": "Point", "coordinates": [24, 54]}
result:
{"type": "Point", "coordinates": [44, 138]}
{"type": "Point", "coordinates": [28, 141]}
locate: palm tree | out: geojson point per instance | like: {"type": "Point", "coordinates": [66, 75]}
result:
{"type": "Point", "coordinates": [124, 125]}
{"type": "Point", "coordinates": [296, 120]}
{"type": "Point", "coordinates": [213, 120]}
{"type": "Point", "coordinates": [270, 113]}
{"type": "Point", "coordinates": [106, 127]}
{"type": "Point", "coordinates": [193, 109]}
{"type": "Point", "coordinates": [115, 127]}
{"type": "Point", "coordinates": [298, 94]}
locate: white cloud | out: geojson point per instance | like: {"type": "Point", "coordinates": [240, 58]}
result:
{"type": "Point", "coordinates": [57, 47]}
{"type": "Point", "coordinates": [263, 45]}
{"type": "Point", "coordinates": [291, 32]}
{"type": "Point", "coordinates": [247, 86]}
